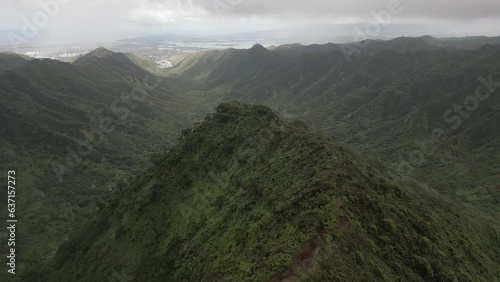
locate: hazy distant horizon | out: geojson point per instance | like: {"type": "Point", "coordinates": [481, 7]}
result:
{"type": "Point", "coordinates": [70, 21]}
{"type": "Point", "coordinates": [259, 37]}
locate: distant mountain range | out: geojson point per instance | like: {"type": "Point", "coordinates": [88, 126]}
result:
{"type": "Point", "coordinates": [387, 99]}
{"type": "Point", "coordinates": [79, 132]}
{"type": "Point", "coordinates": [400, 44]}
{"type": "Point", "coordinates": [341, 34]}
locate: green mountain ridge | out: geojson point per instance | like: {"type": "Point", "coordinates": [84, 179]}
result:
{"type": "Point", "coordinates": [247, 196]}
{"type": "Point", "coordinates": [73, 132]}
{"type": "Point", "coordinates": [371, 47]}
{"type": "Point", "coordinates": [100, 52]}
{"type": "Point", "coordinates": [386, 104]}
{"type": "Point", "coordinates": [9, 60]}
{"type": "Point", "coordinates": [379, 102]}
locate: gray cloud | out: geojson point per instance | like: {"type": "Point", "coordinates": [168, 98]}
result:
{"type": "Point", "coordinates": [360, 9]}
{"type": "Point", "coordinates": [115, 19]}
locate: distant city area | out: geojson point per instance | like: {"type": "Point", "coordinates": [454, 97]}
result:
{"type": "Point", "coordinates": [158, 49]}
{"type": "Point", "coordinates": [161, 49]}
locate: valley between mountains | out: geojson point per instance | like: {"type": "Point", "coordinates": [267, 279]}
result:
{"type": "Point", "coordinates": [292, 163]}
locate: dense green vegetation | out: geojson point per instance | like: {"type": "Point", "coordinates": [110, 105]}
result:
{"type": "Point", "coordinates": [10, 61]}
{"type": "Point", "coordinates": [245, 190]}
{"type": "Point", "coordinates": [72, 132]}
{"type": "Point", "coordinates": [384, 101]}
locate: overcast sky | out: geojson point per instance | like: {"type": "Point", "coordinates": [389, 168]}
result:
{"type": "Point", "coordinates": [104, 20]}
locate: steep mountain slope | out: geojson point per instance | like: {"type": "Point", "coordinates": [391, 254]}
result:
{"type": "Point", "coordinates": [246, 196]}
{"type": "Point", "coordinates": [385, 103]}
{"type": "Point", "coordinates": [10, 61]}
{"type": "Point", "coordinates": [145, 63]}
{"type": "Point", "coordinates": [389, 103]}
{"type": "Point", "coordinates": [73, 131]}
{"type": "Point", "coordinates": [214, 68]}
{"type": "Point", "coordinates": [108, 63]}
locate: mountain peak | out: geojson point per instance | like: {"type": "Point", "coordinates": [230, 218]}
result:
{"type": "Point", "coordinates": [428, 37]}
{"type": "Point", "coordinates": [100, 52]}
{"type": "Point", "coordinates": [102, 57]}
{"type": "Point", "coordinates": [258, 48]}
